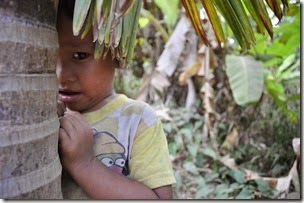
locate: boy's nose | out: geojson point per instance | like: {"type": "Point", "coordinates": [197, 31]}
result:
{"type": "Point", "coordinates": [64, 73]}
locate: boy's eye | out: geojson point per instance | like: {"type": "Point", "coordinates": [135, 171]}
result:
{"type": "Point", "coordinates": [80, 55]}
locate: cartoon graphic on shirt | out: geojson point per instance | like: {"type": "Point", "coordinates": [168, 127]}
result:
{"type": "Point", "coordinates": [108, 150]}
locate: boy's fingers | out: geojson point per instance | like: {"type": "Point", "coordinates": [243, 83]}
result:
{"type": "Point", "coordinates": [61, 108]}
{"type": "Point", "coordinates": [63, 136]}
{"type": "Point", "coordinates": [77, 120]}
{"type": "Point", "coordinates": [66, 122]}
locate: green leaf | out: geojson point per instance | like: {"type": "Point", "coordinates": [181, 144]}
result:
{"type": "Point", "coordinates": [276, 90]}
{"type": "Point", "coordinates": [214, 19]}
{"type": "Point", "coordinates": [89, 21]}
{"type": "Point", "coordinates": [235, 23]}
{"type": "Point", "coordinates": [187, 133]}
{"type": "Point", "coordinates": [189, 166]}
{"type": "Point", "coordinates": [178, 140]}
{"type": "Point", "coordinates": [210, 176]}
{"type": "Point", "coordinates": [223, 189]}
{"type": "Point", "coordinates": [80, 13]}
{"type": "Point", "coordinates": [193, 149]}
{"type": "Point", "coordinates": [210, 152]}
{"type": "Point", "coordinates": [259, 13]}
{"type": "Point", "coordinates": [237, 175]}
{"type": "Point", "coordinates": [246, 78]}
{"type": "Point", "coordinates": [143, 22]}
{"type": "Point", "coordinates": [170, 11]}
{"type": "Point", "coordinates": [204, 191]}
{"type": "Point", "coordinates": [263, 187]}
{"type": "Point", "coordinates": [201, 182]}
{"type": "Point", "coordinates": [245, 194]}
{"type": "Point", "coordinates": [191, 9]}
{"type": "Point", "coordinates": [172, 148]}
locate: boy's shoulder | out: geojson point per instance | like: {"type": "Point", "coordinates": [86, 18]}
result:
{"type": "Point", "coordinates": [135, 108]}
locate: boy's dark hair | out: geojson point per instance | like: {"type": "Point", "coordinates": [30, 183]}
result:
{"type": "Point", "coordinates": [66, 7]}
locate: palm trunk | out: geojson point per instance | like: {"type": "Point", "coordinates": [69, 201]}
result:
{"type": "Point", "coordinates": [29, 163]}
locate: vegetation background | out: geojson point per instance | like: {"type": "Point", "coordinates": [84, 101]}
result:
{"type": "Point", "coordinates": [231, 110]}
{"type": "Point", "coordinates": [223, 145]}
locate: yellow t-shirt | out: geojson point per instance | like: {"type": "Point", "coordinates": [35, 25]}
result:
{"type": "Point", "coordinates": [129, 139]}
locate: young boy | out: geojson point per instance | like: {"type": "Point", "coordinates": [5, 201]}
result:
{"type": "Point", "coordinates": [111, 147]}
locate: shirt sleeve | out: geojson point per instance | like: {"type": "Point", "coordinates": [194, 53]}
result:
{"type": "Point", "coordinates": [149, 160]}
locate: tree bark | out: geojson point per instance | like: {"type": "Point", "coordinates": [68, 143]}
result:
{"type": "Point", "coordinates": [29, 164]}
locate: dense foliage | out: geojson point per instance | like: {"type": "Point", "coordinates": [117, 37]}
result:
{"type": "Point", "coordinates": [230, 116]}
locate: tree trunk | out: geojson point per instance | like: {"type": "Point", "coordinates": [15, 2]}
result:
{"type": "Point", "coordinates": [29, 162]}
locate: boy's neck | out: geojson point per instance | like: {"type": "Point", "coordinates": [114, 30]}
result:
{"type": "Point", "coordinates": [102, 103]}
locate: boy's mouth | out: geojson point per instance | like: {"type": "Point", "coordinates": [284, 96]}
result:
{"type": "Point", "coordinates": [68, 96]}
{"type": "Point", "coordinates": [68, 93]}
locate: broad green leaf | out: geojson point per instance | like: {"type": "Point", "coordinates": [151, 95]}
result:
{"type": "Point", "coordinates": [237, 175]}
{"type": "Point", "coordinates": [246, 78]}
{"type": "Point", "coordinates": [294, 97]}
{"type": "Point", "coordinates": [260, 45]}
{"type": "Point", "coordinates": [210, 176]}
{"type": "Point", "coordinates": [187, 133]}
{"type": "Point", "coordinates": [276, 90]}
{"type": "Point", "coordinates": [211, 153]}
{"type": "Point", "coordinates": [178, 140]}
{"type": "Point", "coordinates": [193, 149]}
{"type": "Point", "coordinates": [189, 166]}
{"type": "Point", "coordinates": [170, 11]}
{"type": "Point", "coordinates": [80, 13]}
{"type": "Point", "coordinates": [288, 61]}
{"type": "Point", "coordinates": [263, 187]}
{"type": "Point", "coordinates": [172, 148]}
{"type": "Point", "coordinates": [245, 194]}
{"type": "Point", "coordinates": [284, 49]}
{"type": "Point", "coordinates": [223, 189]}
{"type": "Point", "coordinates": [200, 181]}
{"type": "Point", "coordinates": [204, 191]}
{"type": "Point", "coordinates": [178, 178]}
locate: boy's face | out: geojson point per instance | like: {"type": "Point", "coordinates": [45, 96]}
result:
{"type": "Point", "coordinates": [83, 82]}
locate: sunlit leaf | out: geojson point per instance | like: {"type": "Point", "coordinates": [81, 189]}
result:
{"type": "Point", "coordinates": [246, 78]}
{"type": "Point", "coordinates": [170, 11]}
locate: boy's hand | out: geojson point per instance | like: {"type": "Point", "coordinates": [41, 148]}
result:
{"type": "Point", "coordinates": [75, 141]}
{"type": "Point", "coordinates": [61, 108]}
